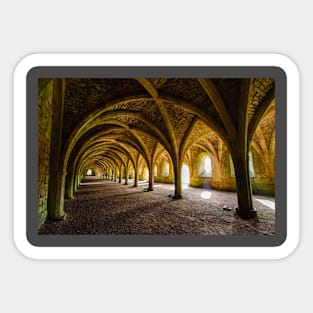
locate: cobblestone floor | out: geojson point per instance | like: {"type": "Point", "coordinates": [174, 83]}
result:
{"type": "Point", "coordinates": [106, 207]}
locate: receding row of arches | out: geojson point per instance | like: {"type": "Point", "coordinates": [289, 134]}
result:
{"type": "Point", "coordinates": [163, 171]}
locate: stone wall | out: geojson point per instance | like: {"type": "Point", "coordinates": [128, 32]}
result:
{"type": "Point", "coordinates": [225, 184]}
{"type": "Point", "coordinates": [164, 180]}
{"type": "Point", "coordinates": [262, 183]}
{"type": "Point", "coordinates": [44, 138]}
{"type": "Point", "coordinates": [160, 177]}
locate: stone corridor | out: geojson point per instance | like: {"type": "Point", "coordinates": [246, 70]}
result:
{"type": "Point", "coordinates": [106, 207]}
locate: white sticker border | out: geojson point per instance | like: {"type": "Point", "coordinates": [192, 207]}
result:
{"type": "Point", "coordinates": [157, 253]}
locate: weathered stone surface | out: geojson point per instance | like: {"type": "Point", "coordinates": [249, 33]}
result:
{"type": "Point", "coordinates": [258, 90]}
{"type": "Point", "coordinates": [44, 137]}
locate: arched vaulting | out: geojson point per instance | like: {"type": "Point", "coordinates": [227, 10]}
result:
{"type": "Point", "coordinates": [120, 126]}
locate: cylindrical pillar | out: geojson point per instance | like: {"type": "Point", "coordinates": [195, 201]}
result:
{"type": "Point", "coordinates": [69, 186]}
{"type": "Point", "coordinates": [151, 179]}
{"type": "Point", "coordinates": [126, 175]}
{"type": "Point", "coordinates": [244, 191]}
{"type": "Point", "coordinates": [178, 181]}
{"type": "Point", "coordinates": [136, 177]}
{"type": "Point", "coordinates": [115, 174]}
{"type": "Point", "coordinates": [56, 197]}
{"type": "Point", "coordinates": [120, 174]}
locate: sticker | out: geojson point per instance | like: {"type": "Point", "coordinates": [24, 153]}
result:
{"type": "Point", "coordinates": [156, 156]}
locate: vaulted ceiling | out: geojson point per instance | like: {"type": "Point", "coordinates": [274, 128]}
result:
{"type": "Point", "coordinates": [108, 121]}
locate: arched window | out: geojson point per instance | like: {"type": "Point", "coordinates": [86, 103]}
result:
{"type": "Point", "coordinates": [166, 169]}
{"type": "Point", "coordinates": [251, 167]}
{"type": "Point", "coordinates": [89, 172]}
{"type": "Point", "coordinates": [185, 174]}
{"type": "Point", "coordinates": [207, 166]}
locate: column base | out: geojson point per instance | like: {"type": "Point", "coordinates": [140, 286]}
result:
{"type": "Point", "coordinates": [176, 197]}
{"type": "Point", "coordinates": [150, 189]}
{"type": "Point", "coordinates": [247, 214]}
{"type": "Point", "coordinates": [57, 218]}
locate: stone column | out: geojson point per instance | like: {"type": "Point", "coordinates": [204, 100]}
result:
{"type": "Point", "coordinates": [56, 173]}
{"type": "Point", "coordinates": [69, 186]}
{"type": "Point", "coordinates": [171, 176]}
{"type": "Point", "coordinates": [244, 190]}
{"type": "Point", "coordinates": [56, 197]}
{"type": "Point", "coordinates": [151, 178]}
{"type": "Point", "coordinates": [239, 152]}
{"type": "Point", "coordinates": [115, 174]}
{"type": "Point", "coordinates": [120, 174]}
{"type": "Point", "coordinates": [126, 174]}
{"type": "Point", "coordinates": [178, 181]}
{"type": "Point", "coordinates": [136, 177]}
{"type": "Point", "coordinates": [75, 182]}
{"type": "Point", "coordinates": [136, 171]}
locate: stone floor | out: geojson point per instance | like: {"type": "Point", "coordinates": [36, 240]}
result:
{"type": "Point", "coordinates": [106, 207]}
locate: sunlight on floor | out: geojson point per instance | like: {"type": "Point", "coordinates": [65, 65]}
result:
{"type": "Point", "coordinates": [270, 204]}
{"type": "Point", "coordinates": [144, 182]}
{"type": "Point", "coordinates": [206, 195]}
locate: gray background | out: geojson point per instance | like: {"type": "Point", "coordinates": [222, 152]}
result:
{"type": "Point", "coordinates": [163, 26]}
